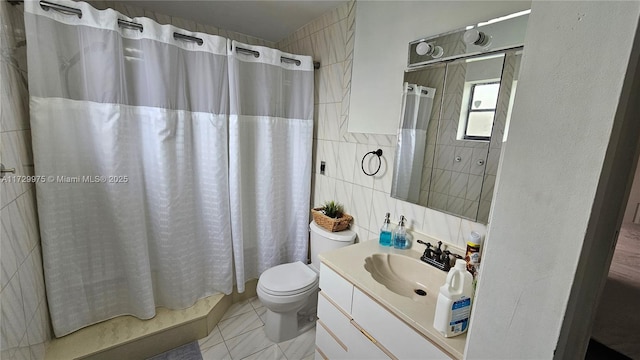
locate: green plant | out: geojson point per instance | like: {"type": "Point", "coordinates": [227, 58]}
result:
{"type": "Point", "coordinates": [333, 209]}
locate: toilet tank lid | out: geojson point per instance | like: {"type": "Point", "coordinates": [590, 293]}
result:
{"type": "Point", "coordinates": [344, 235]}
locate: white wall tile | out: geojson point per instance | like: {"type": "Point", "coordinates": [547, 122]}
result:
{"type": "Point", "coordinates": [325, 188]}
{"type": "Point", "coordinates": [330, 87]}
{"type": "Point", "coordinates": [14, 224]}
{"type": "Point", "coordinates": [474, 186]}
{"type": "Point", "coordinates": [15, 101]}
{"type": "Point", "coordinates": [479, 154]}
{"type": "Point", "coordinates": [362, 233]}
{"type": "Point", "coordinates": [26, 205]}
{"type": "Point", "coordinates": [344, 193]}
{"type": "Point", "coordinates": [28, 287]}
{"type": "Point", "coordinates": [346, 161]}
{"type": "Point", "coordinates": [7, 256]}
{"type": "Point", "coordinates": [381, 204]}
{"type": "Point", "coordinates": [414, 214]}
{"type": "Point", "coordinates": [329, 121]}
{"type": "Point", "coordinates": [13, 326]}
{"type": "Point", "coordinates": [441, 226]}
{"type": "Point", "coordinates": [361, 206]}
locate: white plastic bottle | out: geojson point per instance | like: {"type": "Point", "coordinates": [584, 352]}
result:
{"type": "Point", "coordinates": [454, 301]}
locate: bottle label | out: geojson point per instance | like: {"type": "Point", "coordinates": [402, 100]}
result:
{"type": "Point", "coordinates": [460, 311]}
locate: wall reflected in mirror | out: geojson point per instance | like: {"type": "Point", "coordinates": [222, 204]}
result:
{"type": "Point", "coordinates": [454, 119]}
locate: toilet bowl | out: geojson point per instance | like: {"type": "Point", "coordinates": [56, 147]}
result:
{"type": "Point", "coordinates": [290, 291]}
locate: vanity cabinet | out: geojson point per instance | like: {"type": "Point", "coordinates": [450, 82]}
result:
{"type": "Point", "coordinates": [351, 325]}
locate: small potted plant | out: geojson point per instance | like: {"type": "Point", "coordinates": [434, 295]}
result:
{"type": "Point", "coordinates": [331, 216]}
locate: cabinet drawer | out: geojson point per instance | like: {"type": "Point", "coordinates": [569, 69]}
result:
{"type": "Point", "coordinates": [396, 336]}
{"type": "Point", "coordinates": [327, 344]}
{"type": "Point", "coordinates": [336, 287]}
{"type": "Point", "coordinates": [363, 346]}
{"type": "Point", "coordinates": [332, 317]}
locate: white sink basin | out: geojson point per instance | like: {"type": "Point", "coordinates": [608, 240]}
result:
{"type": "Point", "coordinates": [404, 276]}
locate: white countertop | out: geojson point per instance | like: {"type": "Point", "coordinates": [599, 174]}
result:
{"type": "Point", "coordinates": [349, 263]}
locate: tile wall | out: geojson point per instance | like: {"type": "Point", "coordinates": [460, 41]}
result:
{"type": "Point", "coordinates": [330, 40]}
{"type": "Point", "coordinates": [24, 318]}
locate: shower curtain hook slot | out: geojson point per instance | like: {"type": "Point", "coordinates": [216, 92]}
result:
{"type": "Point", "coordinates": [378, 153]}
{"type": "Point", "coordinates": [130, 24]}
{"type": "Point", "coordinates": [197, 40]}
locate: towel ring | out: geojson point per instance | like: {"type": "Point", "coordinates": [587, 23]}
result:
{"type": "Point", "coordinates": [377, 153]}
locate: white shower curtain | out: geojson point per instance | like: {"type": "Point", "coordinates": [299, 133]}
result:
{"type": "Point", "coordinates": [412, 140]}
{"type": "Point", "coordinates": [270, 138]}
{"type": "Point", "coordinates": [130, 145]}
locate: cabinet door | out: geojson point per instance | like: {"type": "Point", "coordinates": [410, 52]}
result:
{"type": "Point", "coordinates": [336, 287]}
{"type": "Point", "coordinates": [396, 336]}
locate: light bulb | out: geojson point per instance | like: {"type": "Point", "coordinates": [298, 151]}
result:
{"type": "Point", "coordinates": [424, 48]}
{"type": "Point", "coordinates": [475, 37]}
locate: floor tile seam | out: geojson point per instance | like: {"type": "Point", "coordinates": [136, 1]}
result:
{"type": "Point", "coordinates": [224, 339]}
{"type": "Point", "coordinates": [235, 316]}
{"type": "Point", "coordinates": [231, 317]}
{"type": "Point", "coordinates": [210, 346]}
{"type": "Point", "coordinates": [226, 347]}
{"type": "Point", "coordinates": [281, 350]}
{"type": "Point", "coordinates": [268, 346]}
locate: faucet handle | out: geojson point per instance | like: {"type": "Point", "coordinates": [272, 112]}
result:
{"type": "Point", "coordinates": [438, 252]}
{"type": "Point", "coordinates": [423, 243]}
{"type": "Point", "coordinates": [446, 260]}
{"type": "Point", "coordinates": [427, 252]}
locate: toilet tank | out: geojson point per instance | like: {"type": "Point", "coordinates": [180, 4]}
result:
{"type": "Point", "coordinates": [323, 240]}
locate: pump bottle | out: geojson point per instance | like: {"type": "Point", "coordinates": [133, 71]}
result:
{"type": "Point", "coordinates": [401, 239]}
{"type": "Point", "coordinates": [385, 232]}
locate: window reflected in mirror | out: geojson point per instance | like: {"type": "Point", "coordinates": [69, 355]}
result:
{"type": "Point", "coordinates": [481, 108]}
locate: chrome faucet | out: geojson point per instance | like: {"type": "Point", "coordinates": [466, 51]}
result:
{"type": "Point", "coordinates": [437, 257]}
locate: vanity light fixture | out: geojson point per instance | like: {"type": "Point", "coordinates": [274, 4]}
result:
{"type": "Point", "coordinates": [475, 37]}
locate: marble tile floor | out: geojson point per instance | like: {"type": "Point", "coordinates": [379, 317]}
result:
{"type": "Point", "coordinates": [240, 335]}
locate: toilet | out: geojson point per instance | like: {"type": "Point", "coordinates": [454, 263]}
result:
{"type": "Point", "coordinates": [290, 291]}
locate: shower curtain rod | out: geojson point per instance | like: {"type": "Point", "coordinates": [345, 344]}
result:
{"type": "Point", "coordinates": [130, 24]}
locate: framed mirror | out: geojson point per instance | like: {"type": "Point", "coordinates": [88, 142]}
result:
{"type": "Point", "coordinates": [454, 119]}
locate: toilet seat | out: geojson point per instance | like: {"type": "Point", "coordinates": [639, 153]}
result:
{"type": "Point", "coordinates": [288, 279]}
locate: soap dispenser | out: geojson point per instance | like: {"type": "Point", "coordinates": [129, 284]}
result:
{"type": "Point", "coordinates": [401, 239]}
{"type": "Point", "coordinates": [385, 232]}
